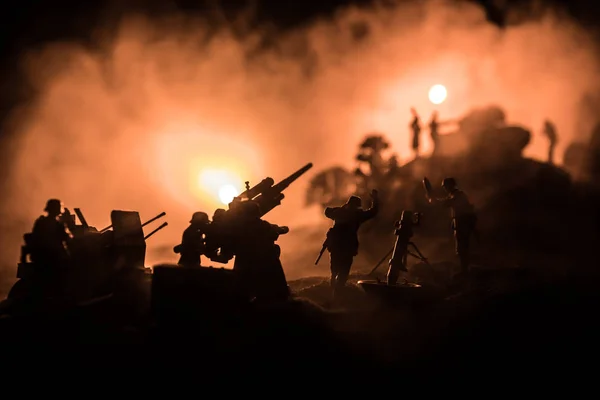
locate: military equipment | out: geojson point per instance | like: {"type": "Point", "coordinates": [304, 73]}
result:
{"type": "Point", "coordinates": [323, 248]}
{"type": "Point", "coordinates": [266, 195]}
{"type": "Point", "coordinates": [428, 188]}
{"type": "Point", "coordinates": [97, 260]}
{"type": "Point", "coordinates": [269, 195]}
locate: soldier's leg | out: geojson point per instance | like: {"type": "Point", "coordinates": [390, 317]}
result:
{"type": "Point", "coordinates": [344, 269]}
{"type": "Point", "coordinates": [334, 261]}
{"type": "Point", "coordinates": [462, 248]}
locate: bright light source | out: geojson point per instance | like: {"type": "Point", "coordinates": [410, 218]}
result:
{"type": "Point", "coordinates": [227, 194]}
{"type": "Point", "coordinates": [221, 184]}
{"type": "Point", "coordinates": [437, 94]}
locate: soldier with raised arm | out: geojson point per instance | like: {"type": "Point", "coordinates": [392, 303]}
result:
{"type": "Point", "coordinates": [342, 238]}
{"type": "Point", "coordinates": [464, 219]}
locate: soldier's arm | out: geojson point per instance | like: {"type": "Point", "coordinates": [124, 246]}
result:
{"type": "Point", "coordinates": [371, 212]}
{"type": "Point", "coordinates": [330, 212]}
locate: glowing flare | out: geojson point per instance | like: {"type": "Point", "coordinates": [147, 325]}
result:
{"type": "Point", "coordinates": [227, 193]}
{"type": "Point", "coordinates": [437, 94]}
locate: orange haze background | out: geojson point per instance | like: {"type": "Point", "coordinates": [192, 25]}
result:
{"type": "Point", "coordinates": [132, 123]}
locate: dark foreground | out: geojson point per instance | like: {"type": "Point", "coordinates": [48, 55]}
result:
{"type": "Point", "coordinates": [482, 326]}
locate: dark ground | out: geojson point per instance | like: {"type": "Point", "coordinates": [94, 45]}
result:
{"type": "Point", "coordinates": [490, 326]}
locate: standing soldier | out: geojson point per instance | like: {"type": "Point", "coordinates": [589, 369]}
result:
{"type": "Point", "coordinates": [434, 130]}
{"type": "Point", "coordinates": [550, 133]}
{"type": "Point", "coordinates": [192, 241]}
{"type": "Point", "coordinates": [415, 127]}
{"type": "Point", "coordinates": [464, 219]}
{"type": "Point", "coordinates": [50, 237]}
{"type": "Point", "coordinates": [342, 238]}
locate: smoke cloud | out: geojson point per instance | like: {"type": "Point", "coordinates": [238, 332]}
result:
{"type": "Point", "coordinates": [132, 123]}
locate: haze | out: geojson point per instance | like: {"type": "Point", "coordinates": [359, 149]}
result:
{"type": "Point", "coordinates": [134, 125]}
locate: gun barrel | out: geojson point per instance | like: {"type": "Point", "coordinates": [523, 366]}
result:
{"type": "Point", "coordinates": [162, 214]}
{"type": "Point", "coordinates": [164, 224]}
{"type": "Point", "coordinates": [81, 217]}
{"type": "Point", "coordinates": [281, 186]}
{"type": "Point", "coordinates": [254, 191]}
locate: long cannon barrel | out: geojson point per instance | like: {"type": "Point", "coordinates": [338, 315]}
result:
{"type": "Point", "coordinates": [281, 186]}
{"type": "Point", "coordinates": [272, 197]}
{"type": "Point", "coordinates": [254, 191]}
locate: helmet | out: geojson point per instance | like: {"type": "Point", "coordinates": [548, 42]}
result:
{"type": "Point", "coordinates": [53, 205]}
{"type": "Point", "coordinates": [354, 201]}
{"type": "Point", "coordinates": [219, 212]}
{"type": "Point", "coordinates": [199, 218]}
{"type": "Point", "coordinates": [407, 216]}
{"type": "Point", "coordinates": [449, 183]}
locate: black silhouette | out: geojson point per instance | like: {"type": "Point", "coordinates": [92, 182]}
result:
{"type": "Point", "coordinates": [415, 127]}
{"type": "Point", "coordinates": [464, 219]}
{"type": "Point", "coordinates": [404, 232]}
{"type": "Point", "coordinates": [550, 133]}
{"type": "Point", "coordinates": [49, 238]}
{"type": "Point", "coordinates": [434, 130]}
{"type": "Point", "coordinates": [192, 245]}
{"type": "Point", "coordinates": [342, 238]}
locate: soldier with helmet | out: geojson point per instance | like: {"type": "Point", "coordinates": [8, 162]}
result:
{"type": "Point", "coordinates": [50, 236]}
{"type": "Point", "coordinates": [342, 238]}
{"type": "Point", "coordinates": [464, 219]}
{"type": "Point", "coordinates": [257, 262]}
{"type": "Point", "coordinates": [192, 242]}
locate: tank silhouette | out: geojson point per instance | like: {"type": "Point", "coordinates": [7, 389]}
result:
{"type": "Point", "coordinates": [208, 292]}
{"type": "Point", "coordinates": [101, 262]}
{"type": "Point", "coordinates": [525, 206]}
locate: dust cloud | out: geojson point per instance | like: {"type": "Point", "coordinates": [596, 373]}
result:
{"type": "Point", "coordinates": [133, 123]}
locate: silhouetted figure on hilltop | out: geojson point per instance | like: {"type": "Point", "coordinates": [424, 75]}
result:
{"type": "Point", "coordinates": [550, 133]}
{"type": "Point", "coordinates": [464, 219]}
{"type": "Point", "coordinates": [434, 130]}
{"type": "Point", "coordinates": [415, 127]}
{"type": "Point", "coordinates": [192, 242]}
{"type": "Point", "coordinates": [342, 238]}
{"type": "Point", "coordinates": [49, 238]}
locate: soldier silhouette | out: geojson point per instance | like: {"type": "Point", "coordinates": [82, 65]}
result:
{"type": "Point", "coordinates": [257, 262]}
{"type": "Point", "coordinates": [415, 127]}
{"type": "Point", "coordinates": [464, 219]}
{"type": "Point", "coordinates": [434, 130]}
{"type": "Point", "coordinates": [192, 245]}
{"type": "Point", "coordinates": [50, 237]}
{"type": "Point", "coordinates": [342, 238]}
{"type": "Point", "coordinates": [550, 133]}
{"type": "Point", "coordinates": [404, 232]}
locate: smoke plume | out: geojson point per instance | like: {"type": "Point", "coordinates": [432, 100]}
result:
{"type": "Point", "coordinates": [132, 123]}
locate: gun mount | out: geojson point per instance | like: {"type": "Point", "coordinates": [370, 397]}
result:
{"type": "Point", "coordinates": [266, 194]}
{"type": "Point", "coordinates": [95, 258]}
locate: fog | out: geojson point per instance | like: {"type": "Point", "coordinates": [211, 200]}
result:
{"type": "Point", "coordinates": [132, 124]}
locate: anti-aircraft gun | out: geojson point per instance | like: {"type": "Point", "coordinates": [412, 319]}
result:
{"type": "Point", "coordinates": [267, 195]}
{"type": "Point", "coordinates": [96, 260]}
{"type": "Point", "coordinates": [209, 293]}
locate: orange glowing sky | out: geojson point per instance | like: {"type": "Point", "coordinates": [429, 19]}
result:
{"type": "Point", "coordinates": [138, 124]}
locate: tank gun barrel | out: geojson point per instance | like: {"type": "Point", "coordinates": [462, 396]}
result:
{"type": "Point", "coordinates": [164, 224]}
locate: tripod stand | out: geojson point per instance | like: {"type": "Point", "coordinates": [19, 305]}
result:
{"type": "Point", "coordinates": [418, 256]}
